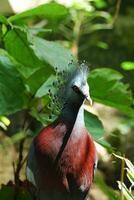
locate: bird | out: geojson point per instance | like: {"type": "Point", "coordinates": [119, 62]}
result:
{"type": "Point", "coordinates": [62, 158]}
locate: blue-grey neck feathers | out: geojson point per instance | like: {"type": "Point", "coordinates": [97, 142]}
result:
{"type": "Point", "coordinates": [59, 91]}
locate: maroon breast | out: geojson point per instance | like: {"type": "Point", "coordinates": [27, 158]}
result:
{"type": "Point", "coordinates": [74, 168]}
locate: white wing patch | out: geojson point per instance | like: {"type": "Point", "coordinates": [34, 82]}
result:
{"type": "Point", "coordinates": [95, 165]}
{"type": "Point", "coordinates": [30, 176]}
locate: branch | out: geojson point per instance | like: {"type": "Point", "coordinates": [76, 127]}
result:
{"type": "Point", "coordinates": [117, 10]}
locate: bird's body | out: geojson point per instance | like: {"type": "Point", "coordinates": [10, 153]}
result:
{"type": "Point", "coordinates": [62, 157]}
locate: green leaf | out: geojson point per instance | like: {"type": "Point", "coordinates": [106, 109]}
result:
{"type": "Point", "coordinates": [52, 52]}
{"type": "Point", "coordinates": [105, 144]}
{"type": "Point", "coordinates": [106, 88]}
{"type": "Point", "coordinates": [129, 165]}
{"type": "Point", "coordinates": [43, 118]}
{"type": "Point", "coordinates": [125, 191]}
{"type": "Point", "coordinates": [36, 30]}
{"type": "Point", "coordinates": [94, 125]}
{"type": "Point", "coordinates": [17, 44]}
{"type": "Point", "coordinates": [100, 4]}
{"type": "Point", "coordinates": [128, 162]}
{"type": "Point", "coordinates": [130, 176]}
{"type": "Point", "coordinates": [7, 193]}
{"type": "Point", "coordinates": [5, 120]}
{"type": "Point", "coordinates": [3, 19]}
{"type": "Point", "coordinates": [11, 85]}
{"type": "Point", "coordinates": [127, 65]}
{"type": "Point", "coordinates": [48, 11]}
{"type": "Point", "coordinates": [43, 90]}
{"type": "Point", "coordinates": [37, 79]}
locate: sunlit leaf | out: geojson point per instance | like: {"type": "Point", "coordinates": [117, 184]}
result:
{"type": "Point", "coordinates": [125, 191]}
{"type": "Point", "coordinates": [102, 45]}
{"type": "Point", "coordinates": [127, 65]}
{"type": "Point", "coordinates": [107, 88]}
{"type": "Point", "coordinates": [130, 176]}
{"type": "Point", "coordinates": [100, 3]}
{"type": "Point", "coordinates": [128, 162]}
{"type": "Point", "coordinates": [48, 11]}
{"type": "Point", "coordinates": [130, 165]}
{"type": "Point", "coordinates": [17, 44]}
{"type": "Point", "coordinates": [5, 120]}
{"type": "Point", "coordinates": [52, 52]}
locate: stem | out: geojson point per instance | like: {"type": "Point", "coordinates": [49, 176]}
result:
{"type": "Point", "coordinates": [20, 159]}
{"type": "Point", "coordinates": [117, 10]}
{"type": "Point", "coordinates": [122, 176]}
{"type": "Point", "coordinates": [17, 172]}
{"type": "Point", "coordinates": [18, 169]}
{"type": "Point", "coordinates": [76, 34]}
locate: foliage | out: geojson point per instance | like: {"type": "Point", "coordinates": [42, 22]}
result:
{"type": "Point", "coordinates": [4, 122]}
{"type": "Point", "coordinates": [11, 85]}
{"type": "Point", "coordinates": [127, 65]}
{"type": "Point", "coordinates": [127, 193]}
{"type": "Point", "coordinates": [29, 65]}
{"type": "Point", "coordinates": [107, 88]}
{"type": "Point", "coordinates": [7, 192]}
{"type": "Point", "coordinates": [31, 55]}
{"type": "Point", "coordinates": [48, 11]}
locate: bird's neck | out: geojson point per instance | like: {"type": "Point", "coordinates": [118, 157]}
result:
{"type": "Point", "coordinates": [73, 114]}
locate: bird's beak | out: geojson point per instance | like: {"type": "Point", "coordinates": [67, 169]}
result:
{"type": "Point", "coordinates": [89, 100]}
{"type": "Point", "coordinates": [87, 96]}
{"type": "Point", "coordinates": [85, 92]}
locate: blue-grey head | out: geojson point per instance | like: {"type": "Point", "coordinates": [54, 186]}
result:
{"type": "Point", "coordinates": [71, 87]}
{"type": "Point", "coordinates": [78, 89]}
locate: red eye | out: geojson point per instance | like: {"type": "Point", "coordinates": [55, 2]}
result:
{"type": "Point", "coordinates": [75, 88]}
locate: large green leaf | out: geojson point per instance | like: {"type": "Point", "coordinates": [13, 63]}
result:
{"type": "Point", "coordinates": [52, 52]}
{"type": "Point", "coordinates": [18, 45]}
{"type": "Point", "coordinates": [96, 129]}
{"type": "Point", "coordinates": [11, 85]}
{"type": "Point", "coordinates": [94, 125]}
{"type": "Point", "coordinates": [106, 87]}
{"type": "Point", "coordinates": [48, 11]}
{"type": "Point", "coordinates": [43, 90]}
{"type": "Point", "coordinates": [37, 79]}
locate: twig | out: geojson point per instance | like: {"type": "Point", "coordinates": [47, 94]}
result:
{"type": "Point", "coordinates": [76, 35]}
{"type": "Point", "coordinates": [18, 169]}
{"type": "Point", "coordinates": [24, 160]}
{"type": "Point", "coordinates": [13, 168]}
{"type": "Point", "coordinates": [117, 10]}
{"type": "Point", "coordinates": [20, 160]}
{"type": "Point", "coordinates": [122, 176]}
